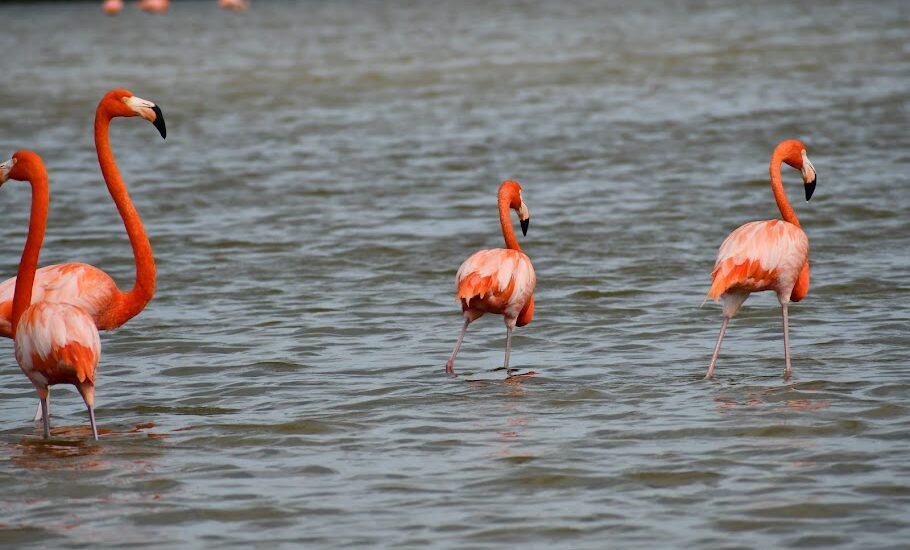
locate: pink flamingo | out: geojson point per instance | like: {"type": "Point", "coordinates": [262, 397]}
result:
{"type": "Point", "coordinates": [112, 7]}
{"type": "Point", "coordinates": [56, 343]}
{"type": "Point", "coordinates": [236, 5]}
{"type": "Point", "coordinates": [154, 6]}
{"type": "Point", "coordinates": [766, 255]}
{"type": "Point", "coordinates": [86, 286]}
{"type": "Point", "coordinates": [499, 280]}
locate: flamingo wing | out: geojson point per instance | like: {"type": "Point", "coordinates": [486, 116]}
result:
{"type": "Point", "coordinates": [498, 280]}
{"type": "Point", "coordinates": [57, 343]}
{"type": "Point", "coordinates": [763, 255]}
{"type": "Point", "coordinates": [79, 284]}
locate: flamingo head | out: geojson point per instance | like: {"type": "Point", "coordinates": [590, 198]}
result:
{"type": "Point", "coordinates": [795, 155]}
{"type": "Point", "coordinates": [510, 193]}
{"type": "Point", "coordinates": [23, 167]}
{"type": "Point", "coordinates": [124, 103]}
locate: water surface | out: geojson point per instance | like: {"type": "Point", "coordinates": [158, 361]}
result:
{"type": "Point", "coordinates": [327, 168]}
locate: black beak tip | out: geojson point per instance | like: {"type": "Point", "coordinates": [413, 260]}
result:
{"type": "Point", "coordinates": [159, 122]}
{"type": "Point", "coordinates": [524, 226]}
{"type": "Point", "coordinates": [810, 188]}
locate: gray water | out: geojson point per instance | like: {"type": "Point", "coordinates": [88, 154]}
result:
{"type": "Point", "coordinates": [327, 168]}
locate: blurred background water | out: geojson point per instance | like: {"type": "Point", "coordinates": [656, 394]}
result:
{"type": "Point", "coordinates": [328, 166]}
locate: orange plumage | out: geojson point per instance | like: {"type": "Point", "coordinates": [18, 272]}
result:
{"type": "Point", "coordinates": [499, 280]}
{"type": "Point", "coordinates": [766, 255]}
{"type": "Point", "coordinates": [55, 343]}
{"type": "Point", "coordinates": [86, 286]}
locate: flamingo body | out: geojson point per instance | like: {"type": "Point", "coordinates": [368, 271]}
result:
{"type": "Point", "coordinates": [112, 7]}
{"type": "Point", "coordinates": [57, 343]}
{"type": "Point", "coordinates": [499, 280]}
{"type": "Point", "coordinates": [766, 255]}
{"type": "Point", "coordinates": [79, 284]}
{"type": "Point", "coordinates": [235, 5]}
{"type": "Point", "coordinates": [759, 256]}
{"type": "Point", "coordinates": [86, 286]}
{"type": "Point", "coordinates": [154, 6]}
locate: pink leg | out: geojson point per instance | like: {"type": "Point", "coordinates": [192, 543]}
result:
{"type": "Point", "coordinates": [720, 338]}
{"type": "Point", "coordinates": [508, 349]}
{"type": "Point", "coordinates": [450, 364]}
{"type": "Point", "coordinates": [87, 391]}
{"type": "Point", "coordinates": [45, 413]}
{"type": "Point", "coordinates": [40, 415]}
{"type": "Point", "coordinates": [788, 372]}
{"type": "Point", "coordinates": [91, 418]}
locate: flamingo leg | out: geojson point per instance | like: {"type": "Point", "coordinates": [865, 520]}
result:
{"type": "Point", "coordinates": [40, 415]}
{"type": "Point", "coordinates": [788, 372]}
{"type": "Point", "coordinates": [45, 412]}
{"type": "Point", "coordinates": [450, 364]}
{"type": "Point", "coordinates": [505, 364]}
{"type": "Point", "coordinates": [720, 338]}
{"type": "Point", "coordinates": [91, 418]}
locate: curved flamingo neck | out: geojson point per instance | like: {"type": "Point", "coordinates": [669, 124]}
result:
{"type": "Point", "coordinates": [505, 220]}
{"type": "Point", "coordinates": [28, 265]}
{"type": "Point", "coordinates": [777, 187]}
{"type": "Point", "coordinates": [130, 303]}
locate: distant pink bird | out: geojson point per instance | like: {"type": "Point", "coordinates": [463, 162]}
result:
{"type": "Point", "coordinates": [236, 5]}
{"type": "Point", "coordinates": [56, 343]}
{"type": "Point", "coordinates": [112, 7]}
{"type": "Point", "coordinates": [154, 6]}
{"type": "Point", "coordinates": [766, 255]}
{"type": "Point", "coordinates": [85, 285]}
{"type": "Point", "coordinates": [499, 280]}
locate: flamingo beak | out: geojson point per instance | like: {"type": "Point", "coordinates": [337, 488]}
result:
{"type": "Point", "coordinates": [5, 169]}
{"type": "Point", "coordinates": [524, 217]}
{"type": "Point", "coordinates": [810, 188]}
{"type": "Point", "coordinates": [149, 111]}
{"type": "Point", "coordinates": [809, 177]}
{"type": "Point", "coordinates": [159, 122]}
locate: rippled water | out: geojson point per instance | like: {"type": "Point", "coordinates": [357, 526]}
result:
{"type": "Point", "coordinates": [327, 168]}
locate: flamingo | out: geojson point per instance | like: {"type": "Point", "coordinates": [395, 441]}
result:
{"type": "Point", "coordinates": [766, 255]}
{"type": "Point", "coordinates": [499, 280]}
{"type": "Point", "coordinates": [55, 342]}
{"type": "Point", "coordinates": [112, 7]}
{"type": "Point", "coordinates": [154, 6]}
{"type": "Point", "coordinates": [236, 5]}
{"type": "Point", "coordinates": [86, 286]}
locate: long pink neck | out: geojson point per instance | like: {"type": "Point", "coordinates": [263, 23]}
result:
{"type": "Point", "coordinates": [505, 220]}
{"type": "Point", "coordinates": [28, 265]}
{"type": "Point", "coordinates": [777, 187]}
{"type": "Point", "coordinates": [132, 302]}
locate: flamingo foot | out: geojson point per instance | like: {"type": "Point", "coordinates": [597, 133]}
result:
{"type": "Point", "coordinates": [450, 368]}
